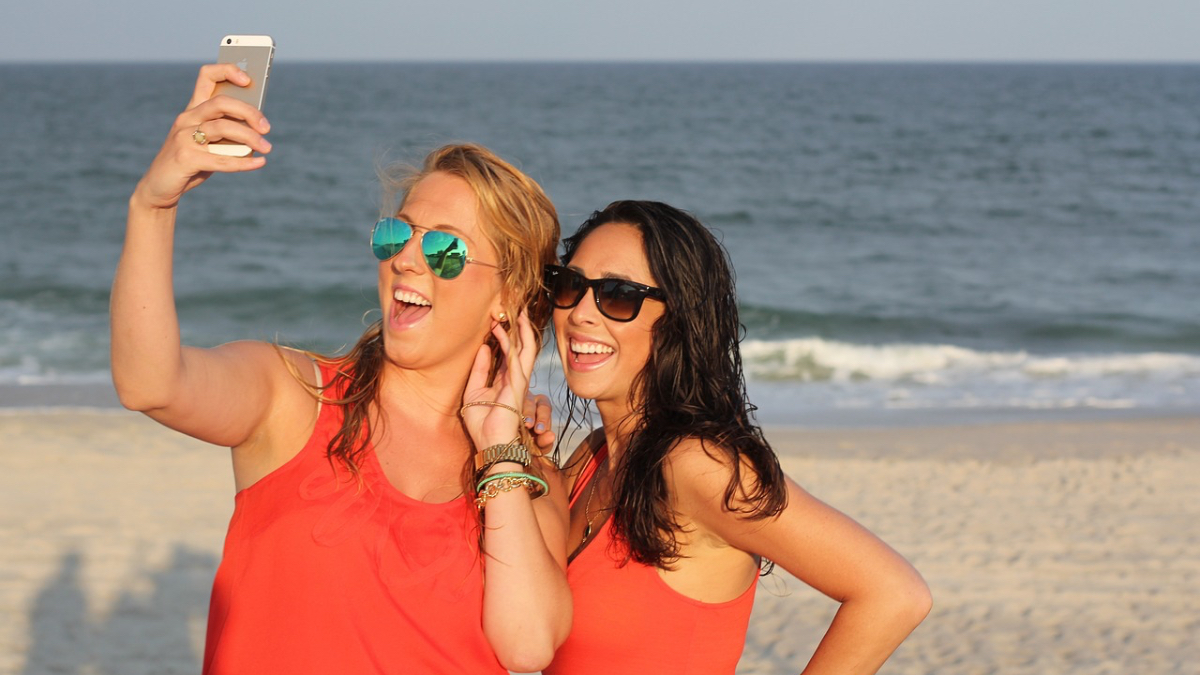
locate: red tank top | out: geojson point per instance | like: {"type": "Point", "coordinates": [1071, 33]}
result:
{"type": "Point", "coordinates": [629, 621]}
{"type": "Point", "coordinates": [322, 575]}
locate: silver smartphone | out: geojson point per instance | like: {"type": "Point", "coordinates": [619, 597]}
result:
{"type": "Point", "coordinates": [254, 55]}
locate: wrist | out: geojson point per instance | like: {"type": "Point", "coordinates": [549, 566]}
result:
{"type": "Point", "coordinates": [505, 466]}
{"type": "Point", "coordinates": [508, 454]}
{"type": "Point", "coordinates": [491, 440]}
{"type": "Point", "coordinates": [140, 202]}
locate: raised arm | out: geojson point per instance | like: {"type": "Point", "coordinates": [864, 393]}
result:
{"type": "Point", "coordinates": [218, 395]}
{"type": "Point", "coordinates": [526, 600]}
{"type": "Point", "coordinates": [882, 597]}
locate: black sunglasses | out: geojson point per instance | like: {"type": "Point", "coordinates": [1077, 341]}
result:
{"type": "Point", "coordinates": [617, 299]}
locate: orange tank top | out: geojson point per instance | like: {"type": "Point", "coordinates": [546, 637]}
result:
{"type": "Point", "coordinates": [628, 621]}
{"type": "Point", "coordinates": [323, 575]}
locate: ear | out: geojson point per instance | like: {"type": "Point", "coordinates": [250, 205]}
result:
{"type": "Point", "coordinates": [498, 312]}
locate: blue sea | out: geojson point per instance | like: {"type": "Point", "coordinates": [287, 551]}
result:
{"type": "Point", "coordinates": [913, 242]}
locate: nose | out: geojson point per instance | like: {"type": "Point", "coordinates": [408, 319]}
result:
{"type": "Point", "coordinates": [585, 311]}
{"type": "Point", "coordinates": [408, 258]}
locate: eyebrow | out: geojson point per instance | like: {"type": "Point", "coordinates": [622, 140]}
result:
{"type": "Point", "coordinates": [605, 275]}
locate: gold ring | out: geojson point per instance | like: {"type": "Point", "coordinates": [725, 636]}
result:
{"type": "Point", "coordinates": [200, 137]}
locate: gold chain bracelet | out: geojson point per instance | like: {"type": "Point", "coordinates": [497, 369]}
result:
{"type": "Point", "coordinates": [507, 484]}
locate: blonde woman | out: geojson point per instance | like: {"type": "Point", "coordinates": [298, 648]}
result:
{"type": "Point", "coordinates": [388, 517]}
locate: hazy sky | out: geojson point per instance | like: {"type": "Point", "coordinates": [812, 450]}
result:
{"type": "Point", "coordinates": [870, 30]}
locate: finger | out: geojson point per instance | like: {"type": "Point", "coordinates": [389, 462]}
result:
{"type": "Point", "coordinates": [529, 346]}
{"type": "Point", "coordinates": [503, 386]}
{"type": "Point", "coordinates": [544, 442]}
{"type": "Point", "coordinates": [226, 107]}
{"type": "Point", "coordinates": [543, 413]}
{"type": "Point", "coordinates": [502, 339]}
{"type": "Point", "coordinates": [477, 380]}
{"type": "Point", "coordinates": [227, 164]}
{"type": "Point", "coordinates": [529, 411]}
{"type": "Point", "coordinates": [229, 130]}
{"type": "Point", "coordinates": [210, 75]}
{"type": "Point", "coordinates": [196, 157]}
{"type": "Point", "coordinates": [516, 373]}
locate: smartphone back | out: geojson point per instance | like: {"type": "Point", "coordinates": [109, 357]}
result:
{"type": "Point", "coordinates": [253, 54]}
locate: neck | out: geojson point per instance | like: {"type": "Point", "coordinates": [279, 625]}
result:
{"type": "Point", "coordinates": [619, 422]}
{"type": "Point", "coordinates": [426, 398]}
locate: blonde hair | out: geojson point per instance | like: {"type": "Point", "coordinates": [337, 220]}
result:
{"type": "Point", "coordinates": [520, 222]}
{"type": "Point", "coordinates": [518, 219]}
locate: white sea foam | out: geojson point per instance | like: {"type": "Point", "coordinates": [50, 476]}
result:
{"type": "Point", "coordinates": [811, 374]}
{"type": "Point", "coordinates": [815, 359]}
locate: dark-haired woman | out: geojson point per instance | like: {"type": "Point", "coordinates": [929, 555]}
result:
{"type": "Point", "coordinates": [355, 543]}
{"type": "Point", "coordinates": [678, 499]}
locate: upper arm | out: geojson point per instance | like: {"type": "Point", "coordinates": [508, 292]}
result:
{"type": "Point", "coordinates": [810, 539]}
{"type": "Point", "coordinates": [226, 393]}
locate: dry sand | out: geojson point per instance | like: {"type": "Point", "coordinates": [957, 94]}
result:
{"type": "Point", "coordinates": [1050, 548]}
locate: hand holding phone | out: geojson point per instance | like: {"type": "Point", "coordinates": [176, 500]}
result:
{"type": "Point", "coordinates": [253, 54]}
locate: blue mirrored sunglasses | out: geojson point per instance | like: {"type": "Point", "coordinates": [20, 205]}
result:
{"type": "Point", "coordinates": [445, 253]}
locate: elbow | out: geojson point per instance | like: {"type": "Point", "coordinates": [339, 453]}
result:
{"type": "Point", "coordinates": [137, 399]}
{"type": "Point", "coordinates": [142, 397]}
{"type": "Point", "coordinates": [134, 402]}
{"type": "Point", "coordinates": [529, 651]}
{"type": "Point", "coordinates": [527, 657]}
{"type": "Point", "coordinates": [912, 604]}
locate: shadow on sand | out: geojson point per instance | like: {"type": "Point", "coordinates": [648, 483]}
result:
{"type": "Point", "coordinates": [149, 628]}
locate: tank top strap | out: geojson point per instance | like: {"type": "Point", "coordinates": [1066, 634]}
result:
{"type": "Point", "coordinates": [589, 471]}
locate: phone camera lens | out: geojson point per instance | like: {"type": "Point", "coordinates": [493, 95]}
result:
{"type": "Point", "coordinates": [228, 41]}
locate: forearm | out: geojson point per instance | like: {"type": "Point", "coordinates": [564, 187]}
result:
{"type": "Point", "coordinates": [146, 352]}
{"type": "Point", "coordinates": [866, 631]}
{"type": "Point", "coordinates": [526, 602]}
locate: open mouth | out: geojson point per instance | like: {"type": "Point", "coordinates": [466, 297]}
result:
{"type": "Point", "coordinates": [410, 307]}
{"type": "Point", "coordinates": [590, 352]}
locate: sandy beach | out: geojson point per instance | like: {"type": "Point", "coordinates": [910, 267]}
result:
{"type": "Point", "coordinates": [1050, 547]}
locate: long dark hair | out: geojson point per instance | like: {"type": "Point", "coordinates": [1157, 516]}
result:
{"type": "Point", "coordinates": [691, 387]}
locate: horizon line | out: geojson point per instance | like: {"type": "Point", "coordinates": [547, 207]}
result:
{"type": "Point", "coordinates": [632, 61]}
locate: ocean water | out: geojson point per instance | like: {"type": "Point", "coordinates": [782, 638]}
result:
{"type": "Point", "coordinates": [954, 241]}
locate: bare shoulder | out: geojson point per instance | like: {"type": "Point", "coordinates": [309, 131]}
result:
{"type": "Point", "coordinates": [697, 469]}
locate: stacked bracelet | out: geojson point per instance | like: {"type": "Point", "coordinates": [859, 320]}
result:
{"type": "Point", "coordinates": [492, 486]}
{"type": "Point", "coordinates": [513, 451]}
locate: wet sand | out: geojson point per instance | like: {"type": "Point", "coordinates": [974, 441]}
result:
{"type": "Point", "coordinates": [1050, 547]}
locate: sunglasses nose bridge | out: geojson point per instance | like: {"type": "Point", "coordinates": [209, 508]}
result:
{"type": "Point", "coordinates": [584, 311]}
{"type": "Point", "coordinates": [409, 256]}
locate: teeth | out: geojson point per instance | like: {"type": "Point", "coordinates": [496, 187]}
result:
{"type": "Point", "coordinates": [410, 297]}
{"type": "Point", "coordinates": [590, 348]}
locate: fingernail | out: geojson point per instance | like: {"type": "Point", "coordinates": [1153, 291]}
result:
{"type": "Point", "coordinates": [265, 126]}
{"type": "Point", "coordinates": [541, 427]}
{"type": "Point", "coordinates": [528, 420]}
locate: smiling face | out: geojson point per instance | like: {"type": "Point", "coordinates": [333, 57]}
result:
{"type": "Point", "coordinates": [428, 321]}
{"type": "Point", "coordinates": [601, 356]}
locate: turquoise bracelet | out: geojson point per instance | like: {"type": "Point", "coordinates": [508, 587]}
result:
{"type": "Point", "coordinates": [513, 474]}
